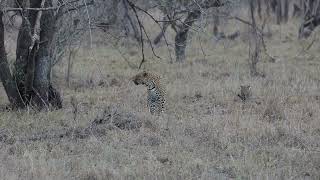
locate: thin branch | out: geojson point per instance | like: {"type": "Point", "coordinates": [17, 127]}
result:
{"type": "Point", "coordinates": [201, 47]}
{"type": "Point", "coordinates": [227, 15]}
{"type": "Point", "coordinates": [132, 66]}
{"type": "Point", "coordinates": [141, 32]}
{"type": "Point", "coordinates": [264, 44]}
{"type": "Point", "coordinates": [39, 9]}
{"type": "Point", "coordinates": [303, 50]}
{"type": "Point", "coordinates": [134, 7]}
{"type": "Point", "coordinates": [30, 9]}
{"type": "Point", "coordinates": [152, 48]}
{"type": "Point", "coordinates": [81, 6]}
{"type": "Point", "coordinates": [260, 31]}
{"type": "Point", "coordinates": [147, 13]}
{"type": "Point", "coordinates": [58, 9]}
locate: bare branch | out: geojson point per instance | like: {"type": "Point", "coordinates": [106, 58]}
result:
{"type": "Point", "coordinates": [141, 33]}
{"type": "Point", "coordinates": [133, 7]}
{"type": "Point", "coordinates": [30, 9]}
{"type": "Point", "coordinates": [36, 31]}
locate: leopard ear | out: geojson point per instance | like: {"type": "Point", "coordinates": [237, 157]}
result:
{"type": "Point", "coordinates": [145, 73]}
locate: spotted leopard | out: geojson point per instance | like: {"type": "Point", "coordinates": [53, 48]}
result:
{"type": "Point", "coordinates": [156, 92]}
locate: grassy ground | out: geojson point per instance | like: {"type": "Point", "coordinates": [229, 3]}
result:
{"type": "Point", "coordinates": [105, 130]}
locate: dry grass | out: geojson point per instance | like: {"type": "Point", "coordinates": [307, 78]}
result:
{"type": "Point", "coordinates": [207, 132]}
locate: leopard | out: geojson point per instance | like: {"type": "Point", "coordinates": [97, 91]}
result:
{"type": "Point", "coordinates": [156, 91]}
{"type": "Point", "coordinates": [245, 92]}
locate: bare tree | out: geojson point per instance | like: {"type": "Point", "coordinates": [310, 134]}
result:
{"type": "Point", "coordinates": [33, 63]}
{"type": "Point", "coordinates": [182, 35]}
{"type": "Point", "coordinates": [254, 44]}
{"type": "Point", "coordinates": [29, 83]}
{"type": "Point", "coordinates": [192, 16]}
{"type": "Point", "coordinates": [190, 10]}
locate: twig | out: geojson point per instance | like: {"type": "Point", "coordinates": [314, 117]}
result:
{"type": "Point", "coordinates": [303, 50]}
{"type": "Point", "coordinates": [224, 14]}
{"type": "Point", "coordinates": [30, 9]}
{"type": "Point", "coordinates": [260, 34]}
{"type": "Point", "coordinates": [134, 7]}
{"type": "Point", "coordinates": [141, 33]}
{"type": "Point", "coordinates": [121, 53]}
{"type": "Point", "coordinates": [264, 44]}
{"type": "Point", "coordinates": [81, 6]}
{"type": "Point", "coordinates": [144, 30]}
{"type": "Point", "coordinates": [201, 47]}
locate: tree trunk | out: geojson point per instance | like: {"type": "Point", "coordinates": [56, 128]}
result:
{"type": "Point", "coordinates": [216, 23]}
{"type": "Point", "coordinates": [279, 11]}
{"type": "Point", "coordinates": [33, 63]}
{"type": "Point", "coordinates": [5, 74]}
{"type": "Point", "coordinates": [182, 35]}
{"type": "Point", "coordinates": [22, 53]}
{"type": "Point", "coordinates": [267, 3]}
{"type": "Point", "coordinates": [43, 60]}
{"type": "Point", "coordinates": [273, 5]}
{"type": "Point", "coordinates": [259, 9]}
{"type": "Point", "coordinates": [286, 11]}
{"type": "Point", "coordinates": [254, 45]}
{"type": "Point", "coordinates": [129, 23]}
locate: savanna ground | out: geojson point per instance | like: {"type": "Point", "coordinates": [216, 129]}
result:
{"type": "Point", "coordinates": [105, 130]}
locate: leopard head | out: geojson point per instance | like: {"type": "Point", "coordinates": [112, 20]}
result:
{"type": "Point", "coordinates": [141, 78]}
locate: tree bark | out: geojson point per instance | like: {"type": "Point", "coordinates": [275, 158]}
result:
{"type": "Point", "coordinates": [259, 8]}
{"type": "Point", "coordinates": [43, 60]}
{"type": "Point", "coordinates": [22, 53]}
{"type": "Point", "coordinates": [267, 3]}
{"type": "Point", "coordinates": [129, 22]}
{"type": "Point", "coordinates": [182, 35]}
{"type": "Point", "coordinates": [255, 45]}
{"type": "Point", "coordinates": [286, 11]}
{"type": "Point", "coordinates": [216, 23]}
{"type": "Point", "coordinates": [273, 5]}
{"type": "Point", "coordinates": [279, 11]}
{"type": "Point", "coordinates": [5, 74]}
{"type": "Point", "coordinates": [33, 63]}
